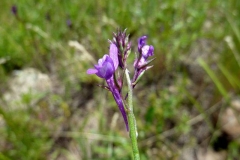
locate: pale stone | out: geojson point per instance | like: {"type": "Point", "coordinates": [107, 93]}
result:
{"type": "Point", "coordinates": [28, 82]}
{"type": "Point", "coordinates": [229, 120]}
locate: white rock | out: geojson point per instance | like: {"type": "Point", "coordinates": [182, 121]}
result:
{"type": "Point", "coordinates": [202, 154]}
{"type": "Point", "coordinates": [210, 154]}
{"type": "Point", "coordinates": [229, 120]}
{"type": "Point", "coordinates": [28, 82]}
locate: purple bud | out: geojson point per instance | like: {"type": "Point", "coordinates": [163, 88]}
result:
{"type": "Point", "coordinates": [14, 10]}
{"type": "Point", "coordinates": [69, 23]}
{"type": "Point", "coordinates": [121, 40]}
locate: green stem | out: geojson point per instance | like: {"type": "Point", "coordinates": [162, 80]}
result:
{"type": "Point", "coordinates": [131, 120]}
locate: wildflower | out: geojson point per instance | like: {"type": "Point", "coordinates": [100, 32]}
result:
{"type": "Point", "coordinates": [141, 63]}
{"type": "Point", "coordinates": [117, 57]}
{"type": "Point", "coordinates": [145, 51]}
{"type": "Point", "coordinates": [107, 65]}
{"type": "Point", "coordinates": [105, 69]}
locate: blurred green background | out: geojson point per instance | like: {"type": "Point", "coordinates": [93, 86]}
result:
{"type": "Point", "coordinates": [186, 106]}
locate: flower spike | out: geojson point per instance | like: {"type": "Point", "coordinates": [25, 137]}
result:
{"type": "Point", "coordinates": [107, 66]}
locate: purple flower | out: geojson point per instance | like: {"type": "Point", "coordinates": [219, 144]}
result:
{"type": "Point", "coordinates": [142, 62]}
{"type": "Point", "coordinates": [105, 69]}
{"type": "Point", "coordinates": [107, 65]}
{"type": "Point", "coordinates": [145, 51]}
{"type": "Point", "coordinates": [14, 10]}
{"type": "Point", "coordinates": [119, 51]}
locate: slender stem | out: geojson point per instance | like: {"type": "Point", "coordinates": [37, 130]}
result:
{"type": "Point", "coordinates": [131, 120]}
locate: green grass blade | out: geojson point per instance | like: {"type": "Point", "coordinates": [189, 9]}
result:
{"type": "Point", "coordinates": [232, 79]}
{"type": "Point", "coordinates": [213, 76]}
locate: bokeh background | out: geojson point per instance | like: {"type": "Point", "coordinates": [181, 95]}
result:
{"type": "Point", "coordinates": [187, 106]}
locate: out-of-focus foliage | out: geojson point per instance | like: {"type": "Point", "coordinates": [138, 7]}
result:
{"type": "Point", "coordinates": [178, 104]}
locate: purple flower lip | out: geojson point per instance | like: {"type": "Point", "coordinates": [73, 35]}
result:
{"type": "Point", "coordinates": [107, 65]}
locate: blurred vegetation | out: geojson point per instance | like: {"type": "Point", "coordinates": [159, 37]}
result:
{"type": "Point", "coordinates": [195, 77]}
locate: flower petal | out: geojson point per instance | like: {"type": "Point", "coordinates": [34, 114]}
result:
{"type": "Point", "coordinates": [141, 42]}
{"type": "Point", "coordinates": [147, 51]}
{"type": "Point", "coordinates": [91, 71]}
{"type": "Point", "coordinates": [113, 52]}
{"type": "Point", "coordinates": [106, 71]}
{"type": "Point", "coordinates": [150, 51]}
{"type": "Point", "coordinates": [102, 60]}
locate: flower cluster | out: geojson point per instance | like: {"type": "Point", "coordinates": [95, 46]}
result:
{"type": "Point", "coordinates": [107, 66]}
{"type": "Point", "coordinates": [141, 64]}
